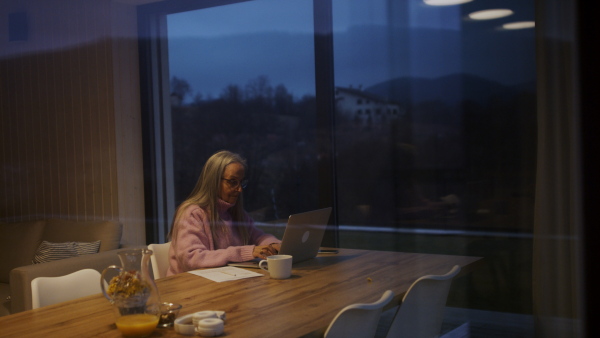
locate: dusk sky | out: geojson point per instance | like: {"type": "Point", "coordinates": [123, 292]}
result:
{"type": "Point", "coordinates": [374, 41]}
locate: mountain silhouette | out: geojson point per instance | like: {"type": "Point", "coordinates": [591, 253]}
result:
{"type": "Point", "coordinates": [450, 89]}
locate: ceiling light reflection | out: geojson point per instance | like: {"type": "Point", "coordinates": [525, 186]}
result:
{"type": "Point", "coordinates": [445, 2]}
{"type": "Point", "coordinates": [490, 14]}
{"type": "Point", "coordinates": [519, 25]}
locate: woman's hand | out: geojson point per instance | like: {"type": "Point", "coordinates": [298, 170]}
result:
{"type": "Point", "coordinates": [276, 247]}
{"type": "Point", "coordinates": [263, 251]}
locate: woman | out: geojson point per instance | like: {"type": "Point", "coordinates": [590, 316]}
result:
{"type": "Point", "coordinates": [210, 227]}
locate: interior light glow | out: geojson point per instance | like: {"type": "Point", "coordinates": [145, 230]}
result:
{"type": "Point", "coordinates": [519, 25]}
{"type": "Point", "coordinates": [490, 14]}
{"type": "Point", "coordinates": [445, 2]}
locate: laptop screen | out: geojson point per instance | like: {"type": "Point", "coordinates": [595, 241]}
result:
{"type": "Point", "coordinates": [304, 234]}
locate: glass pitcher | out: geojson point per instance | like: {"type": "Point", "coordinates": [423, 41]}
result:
{"type": "Point", "coordinates": [133, 293]}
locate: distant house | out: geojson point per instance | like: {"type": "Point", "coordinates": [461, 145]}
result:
{"type": "Point", "coordinates": [361, 105]}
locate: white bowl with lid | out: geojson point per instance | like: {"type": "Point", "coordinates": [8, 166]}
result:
{"type": "Point", "coordinates": [210, 327]}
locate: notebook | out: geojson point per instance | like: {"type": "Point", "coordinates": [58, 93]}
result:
{"type": "Point", "coordinates": [302, 237]}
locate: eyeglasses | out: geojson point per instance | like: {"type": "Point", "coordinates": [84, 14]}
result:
{"type": "Point", "coordinates": [234, 184]}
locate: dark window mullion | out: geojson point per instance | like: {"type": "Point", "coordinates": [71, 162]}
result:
{"type": "Point", "coordinates": [156, 126]}
{"type": "Point", "coordinates": [325, 104]}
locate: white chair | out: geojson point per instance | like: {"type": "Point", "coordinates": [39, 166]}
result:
{"type": "Point", "coordinates": [358, 320]}
{"type": "Point", "coordinates": [422, 309]}
{"type": "Point", "coordinates": [160, 259]}
{"type": "Point", "coordinates": [51, 290]}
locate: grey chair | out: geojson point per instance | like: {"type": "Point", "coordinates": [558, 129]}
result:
{"type": "Point", "coordinates": [358, 320]}
{"type": "Point", "coordinates": [421, 312]}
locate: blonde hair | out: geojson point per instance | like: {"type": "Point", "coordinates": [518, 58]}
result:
{"type": "Point", "coordinates": [206, 194]}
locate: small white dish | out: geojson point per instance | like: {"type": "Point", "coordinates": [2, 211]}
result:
{"type": "Point", "coordinates": [207, 314]}
{"type": "Point", "coordinates": [198, 316]}
{"type": "Point", "coordinates": [185, 325]}
{"type": "Point", "coordinates": [210, 327]}
{"type": "Point", "coordinates": [220, 315]}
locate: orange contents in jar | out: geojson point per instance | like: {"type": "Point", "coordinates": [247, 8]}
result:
{"type": "Point", "coordinates": [137, 325]}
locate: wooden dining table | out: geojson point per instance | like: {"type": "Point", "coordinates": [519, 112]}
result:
{"type": "Point", "coordinates": [301, 306]}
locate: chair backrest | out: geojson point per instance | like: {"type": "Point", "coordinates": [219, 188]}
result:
{"type": "Point", "coordinates": [51, 290]}
{"type": "Point", "coordinates": [358, 320]}
{"type": "Point", "coordinates": [160, 259]}
{"type": "Point", "coordinates": [422, 309]}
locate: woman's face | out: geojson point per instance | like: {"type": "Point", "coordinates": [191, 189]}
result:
{"type": "Point", "coordinates": [231, 182]}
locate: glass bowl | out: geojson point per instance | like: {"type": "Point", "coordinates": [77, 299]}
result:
{"type": "Point", "coordinates": [168, 313]}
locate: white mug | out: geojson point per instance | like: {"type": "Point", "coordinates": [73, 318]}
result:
{"type": "Point", "coordinates": [278, 266]}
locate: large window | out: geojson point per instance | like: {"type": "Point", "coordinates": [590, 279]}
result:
{"type": "Point", "coordinates": [417, 123]}
{"type": "Point", "coordinates": [242, 79]}
{"type": "Point", "coordinates": [435, 120]}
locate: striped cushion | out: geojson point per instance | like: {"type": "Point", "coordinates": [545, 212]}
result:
{"type": "Point", "coordinates": [48, 252]}
{"type": "Point", "coordinates": [86, 248]}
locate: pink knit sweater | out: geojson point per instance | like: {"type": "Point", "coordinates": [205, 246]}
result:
{"type": "Point", "coordinates": [194, 247]}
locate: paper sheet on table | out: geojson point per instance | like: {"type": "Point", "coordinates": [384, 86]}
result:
{"type": "Point", "coordinates": [225, 273]}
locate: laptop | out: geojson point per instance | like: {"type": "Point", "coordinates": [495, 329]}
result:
{"type": "Point", "coordinates": [302, 237]}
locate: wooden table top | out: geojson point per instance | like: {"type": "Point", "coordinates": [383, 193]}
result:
{"type": "Point", "coordinates": [302, 305]}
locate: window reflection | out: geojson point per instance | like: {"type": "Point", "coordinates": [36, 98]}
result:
{"type": "Point", "coordinates": [453, 170]}
{"type": "Point", "coordinates": [434, 126]}
{"type": "Point", "coordinates": [247, 87]}
{"type": "Point", "coordinates": [460, 152]}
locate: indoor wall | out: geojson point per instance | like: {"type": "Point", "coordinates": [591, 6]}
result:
{"type": "Point", "coordinates": [70, 132]}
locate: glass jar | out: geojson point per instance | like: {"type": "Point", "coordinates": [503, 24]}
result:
{"type": "Point", "coordinates": [131, 290]}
